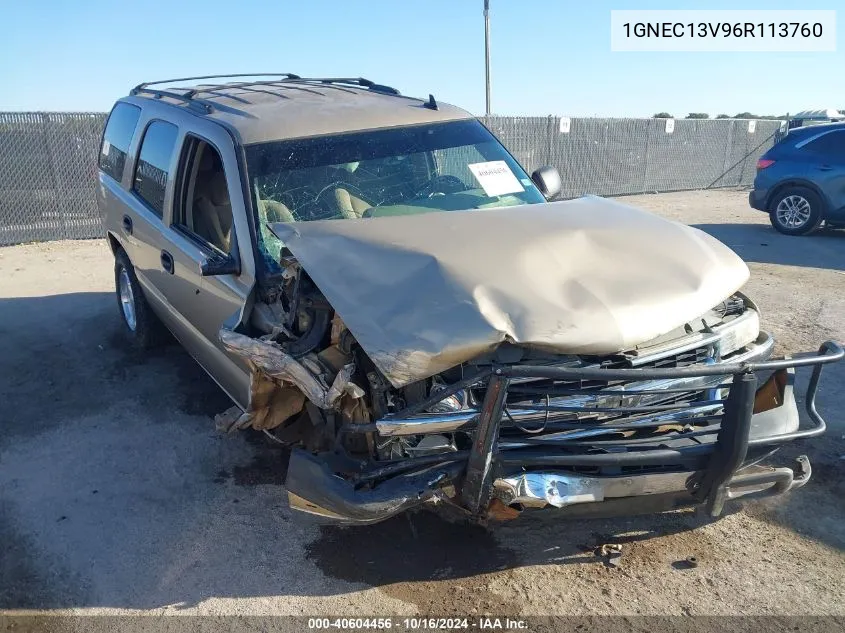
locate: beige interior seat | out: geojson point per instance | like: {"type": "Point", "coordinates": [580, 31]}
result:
{"type": "Point", "coordinates": [342, 180]}
{"type": "Point", "coordinates": [347, 204]}
{"type": "Point", "coordinates": [272, 211]}
{"type": "Point", "coordinates": [212, 209]}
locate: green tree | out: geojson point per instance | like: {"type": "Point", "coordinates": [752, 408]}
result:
{"type": "Point", "coordinates": [698, 115]}
{"type": "Point", "coordinates": [662, 115]}
{"type": "Point", "coordinates": [745, 115]}
{"type": "Point", "coordinates": [723, 116]}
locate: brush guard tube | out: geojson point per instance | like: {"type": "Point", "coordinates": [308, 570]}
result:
{"type": "Point", "coordinates": [717, 466]}
{"type": "Point", "coordinates": [770, 482]}
{"type": "Point", "coordinates": [726, 454]}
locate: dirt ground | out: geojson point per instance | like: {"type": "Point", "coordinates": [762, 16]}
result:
{"type": "Point", "coordinates": [117, 495]}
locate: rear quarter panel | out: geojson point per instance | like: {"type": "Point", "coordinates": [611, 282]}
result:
{"type": "Point", "coordinates": [788, 171]}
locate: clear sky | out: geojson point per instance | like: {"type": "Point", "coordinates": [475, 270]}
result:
{"type": "Point", "coordinates": [548, 56]}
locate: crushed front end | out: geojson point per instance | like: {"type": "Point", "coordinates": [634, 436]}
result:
{"type": "Point", "coordinates": [584, 356]}
{"type": "Point", "coordinates": [591, 441]}
{"type": "Point", "coordinates": [691, 418]}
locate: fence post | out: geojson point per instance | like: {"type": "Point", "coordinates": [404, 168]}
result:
{"type": "Point", "coordinates": [550, 132]}
{"type": "Point", "coordinates": [743, 130]}
{"type": "Point", "coordinates": [58, 186]}
{"type": "Point", "coordinates": [644, 171]}
{"type": "Point", "coordinates": [728, 147]}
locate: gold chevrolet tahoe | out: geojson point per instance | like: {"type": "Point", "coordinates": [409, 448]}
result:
{"type": "Point", "coordinates": [378, 284]}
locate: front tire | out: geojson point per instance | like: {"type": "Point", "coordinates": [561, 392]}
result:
{"type": "Point", "coordinates": [796, 211]}
{"type": "Point", "coordinates": [142, 328]}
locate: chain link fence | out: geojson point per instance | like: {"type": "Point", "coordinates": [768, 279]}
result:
{"type": "Point", "coordinates": [48, 176]}
{"type": "Point", "coordinates": [48, 162]}
{"type": "Point", "coordinates": [611, 157]}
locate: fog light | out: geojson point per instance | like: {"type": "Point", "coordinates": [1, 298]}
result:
{"type": "Point", "coordinates": [449, 404]}
{"type": "Point", "coordinates": [770, 394]}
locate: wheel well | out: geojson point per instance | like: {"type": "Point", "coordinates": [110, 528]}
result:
{"type": "Point", "coordinates": [786, 184]}
{"type": "Point", "coordinates": [114, 243]}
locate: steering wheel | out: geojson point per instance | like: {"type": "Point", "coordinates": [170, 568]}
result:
{"type": "Point", "coordinates": [443, 184]}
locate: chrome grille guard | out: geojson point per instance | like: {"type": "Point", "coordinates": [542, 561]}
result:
{"type": "Point", "coordinates": [721, 458]}
{"type": "Point", "coordinates": [710, 471]}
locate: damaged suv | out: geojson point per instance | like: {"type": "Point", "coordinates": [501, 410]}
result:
{"type": "Point", "coordinates": [378, 284]}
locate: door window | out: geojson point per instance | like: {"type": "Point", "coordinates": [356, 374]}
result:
{"type": "Point", "coordinates": [830, 146]}
{"type": "Point", "coordinates": [117, 137]}
{"type": "Point", "coordinates": [152, 172]}
{"type": "Point", "coordinates": [204, 210]}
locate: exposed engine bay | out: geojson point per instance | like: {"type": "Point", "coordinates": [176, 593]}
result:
{"type": "Point", "coordinates": [312, 382]}
{"type": "Point", "coordinates": [311, 378]}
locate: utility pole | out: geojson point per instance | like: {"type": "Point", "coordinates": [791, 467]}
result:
{"type": "Point", "coordinates": [487, 52]}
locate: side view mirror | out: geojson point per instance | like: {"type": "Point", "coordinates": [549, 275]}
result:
{"type": "Point", "coordinates": [220, 265]}
{"type": "Point", "coordinates": [547, 180]}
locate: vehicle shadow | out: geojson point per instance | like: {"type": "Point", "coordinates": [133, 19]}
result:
{"type": "Point", "coordinates": [71, 348]}
{"type": "Point", "coordinates": [424, 546]}
{"type": "Point", "coordinates": [116, 491]}
{"type": "Point", "coordinates": [816, 511]}
{"type": "Point", "coordinates": [761, 243]}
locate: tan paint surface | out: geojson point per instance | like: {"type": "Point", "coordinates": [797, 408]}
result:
{"type": "Point", "coordinates": [423, 293]}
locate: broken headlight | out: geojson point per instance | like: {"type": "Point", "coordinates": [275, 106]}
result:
{"type": "Point", "coordinates": [449, 404]}
{"type": "Point", "coordinates": [740, 332]}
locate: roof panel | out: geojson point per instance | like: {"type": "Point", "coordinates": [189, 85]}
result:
{"type": "Point", "coordinates": [270, 110]}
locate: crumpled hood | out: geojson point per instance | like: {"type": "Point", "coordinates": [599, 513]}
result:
{"type": "Point", "coordinates": [423, 293]}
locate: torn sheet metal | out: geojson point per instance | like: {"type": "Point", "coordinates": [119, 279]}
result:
{"type": "Point", "coordinates": [270, 406]}
{"type": "Point", "coordinates": [423, 293]}
{"type": "Point", "coordinates": [280, 383]}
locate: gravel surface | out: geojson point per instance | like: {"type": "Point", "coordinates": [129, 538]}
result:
{"type": "Point", "coordinates": [117, 495]}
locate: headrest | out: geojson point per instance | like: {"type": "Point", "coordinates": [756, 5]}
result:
{"type": "Point", "coordinates": [218, 192]}
{"type": "Point", "coordinates": [209, 160]}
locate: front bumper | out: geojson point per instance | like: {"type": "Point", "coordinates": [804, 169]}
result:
{"type": "Point", "coordinates": [712, 455]}
{"type": "Point", "coordinates": [540, 489]}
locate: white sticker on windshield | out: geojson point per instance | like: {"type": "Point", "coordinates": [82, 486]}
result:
{"type": "Point", "coordinates": [495, 177]}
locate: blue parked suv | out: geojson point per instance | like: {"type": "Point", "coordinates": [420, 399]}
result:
{"type": "Point", "coordinates": [801, 180]}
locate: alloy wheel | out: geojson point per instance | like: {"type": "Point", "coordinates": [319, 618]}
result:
{"type": "Point", "coordinates": [793, 212]}
{"type": "Point", "coordinates": [127, 299]}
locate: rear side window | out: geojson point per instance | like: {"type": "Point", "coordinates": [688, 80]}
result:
{"type": "Point", "coordinates": [830, 145]}
{"type": "Point", "coordinates": [154, 160]}
{"type": "Point", "coordinates": [117, 137]}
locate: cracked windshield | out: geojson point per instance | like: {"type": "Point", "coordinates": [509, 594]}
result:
{"type": "Point", "coordinates": [443, 167]}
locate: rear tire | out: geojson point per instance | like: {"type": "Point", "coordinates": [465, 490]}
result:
{"type": "Point", "coordinates": [796, 211]}
{"type": "Point", "coordinates": [142, 328]}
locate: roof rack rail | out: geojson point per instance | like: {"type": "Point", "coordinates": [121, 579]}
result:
{"type": "Point", "coordinates": [196, 104]}
{"type": "Point", "coordinates": [351, 81]}
{"type": "Point", "coordinates": [189, 95]}
{"type": "Point", "coordinates": [170, 81]}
